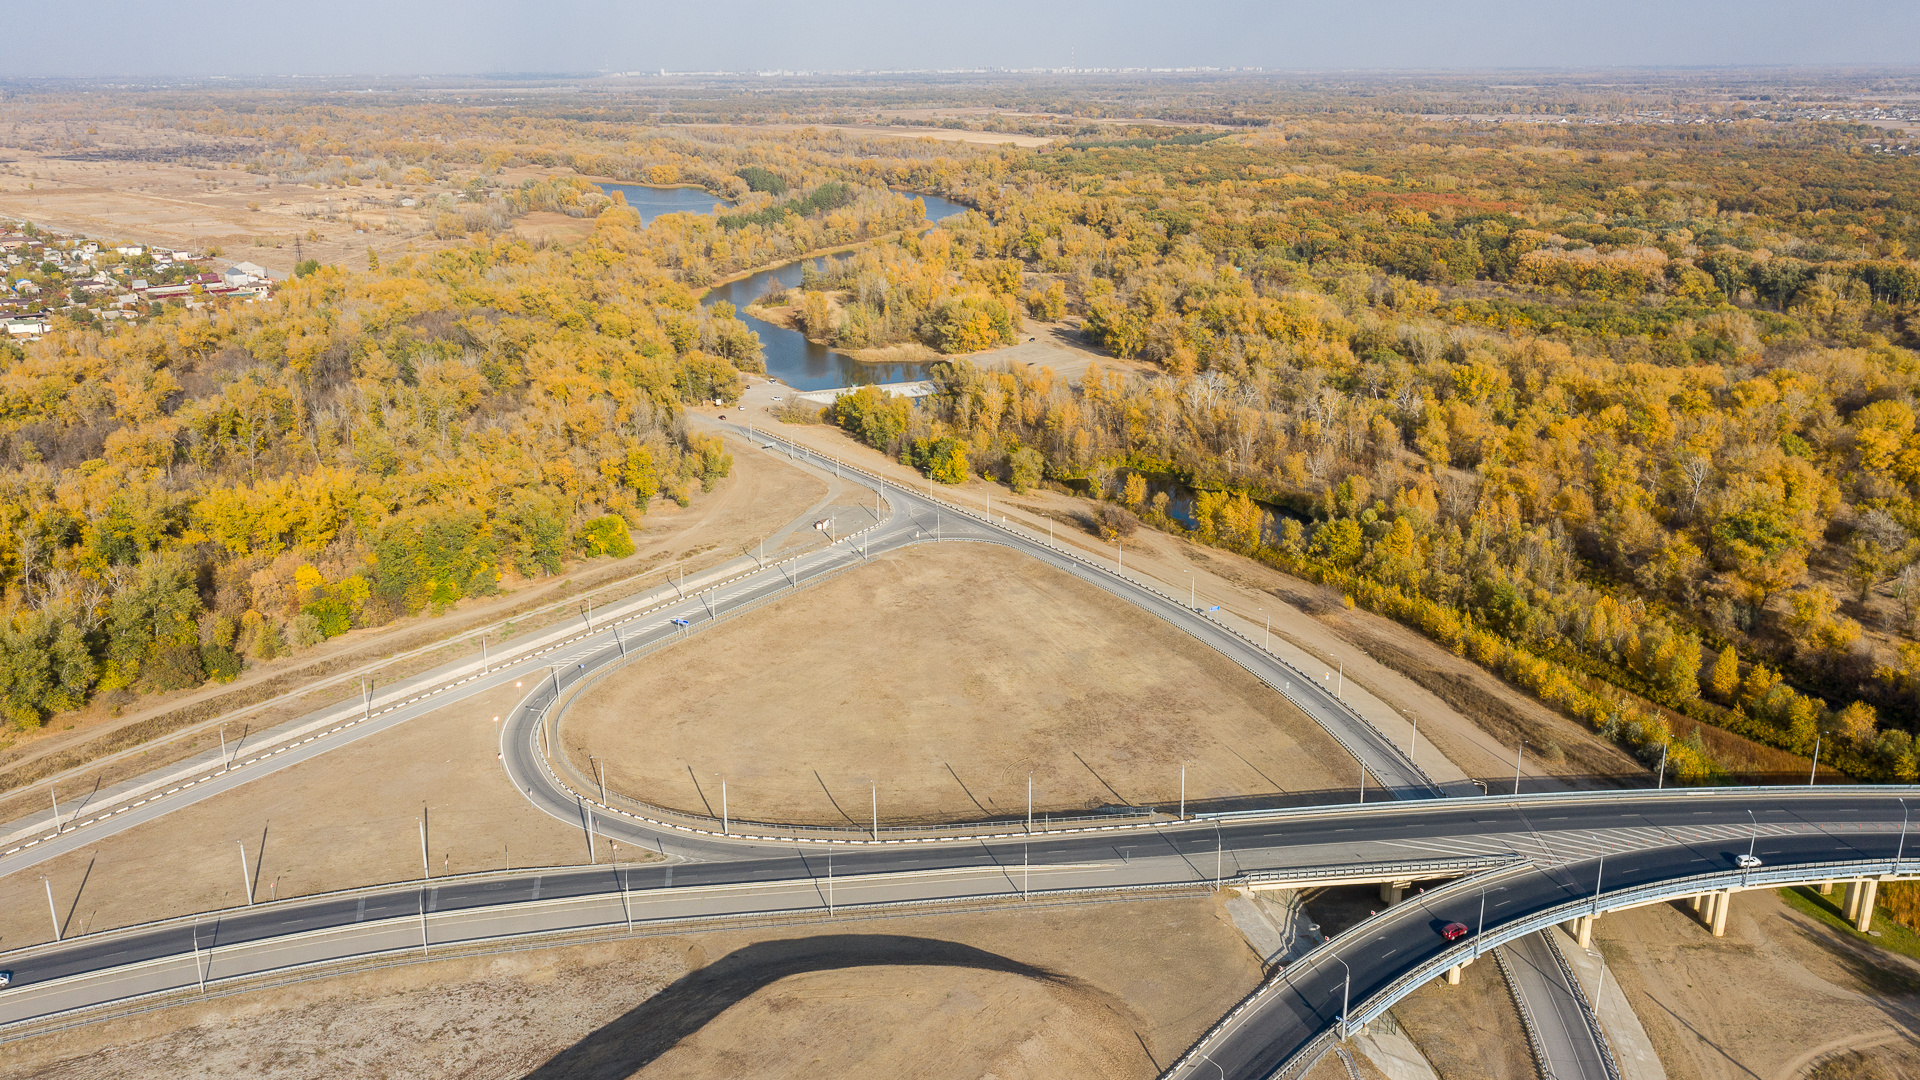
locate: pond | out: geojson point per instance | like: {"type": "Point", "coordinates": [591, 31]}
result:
{"type": "Point", "coordinates": [651, 202]}
{"type": "Point", "coordinates": [800, 363]}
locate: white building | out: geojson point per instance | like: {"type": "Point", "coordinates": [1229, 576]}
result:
{"type": "Point", "coordinates": [245, 273]}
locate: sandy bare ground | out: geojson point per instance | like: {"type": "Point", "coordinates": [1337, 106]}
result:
{"type": "Point", "coordinates": [1471, 1031]}
{"type": "Point", "coordinates": [1097, 991]}
{"type": "Point", "coordinates": [944, 673]}
{"type": "Point", "coordinates": [1779, 992]}
{"type": "Point", "coordinates": [1063, 348]}
{"type": "Point", "coordinates": [1468, 730]}
{"type": "Point", "coordinates": [194, 194]}
{"type": "Point", "coordinates": [762, 496]}
{"type": "Point", "coordinates": [348, 818]}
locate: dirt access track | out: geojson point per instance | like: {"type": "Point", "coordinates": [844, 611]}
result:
{"type": "Point", "coordinates": [938, 679]}
{"type": "Point", "coordinates": [1083, 992]}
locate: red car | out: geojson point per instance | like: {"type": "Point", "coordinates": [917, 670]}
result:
{"type": "Point", "coordinates": [1453, 931]}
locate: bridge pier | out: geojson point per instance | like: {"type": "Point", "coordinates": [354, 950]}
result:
{"type": "Point", "coordinates": [1580, 929]}
{"type": "Point", "coordinates": [1826, 888]}
{"type": "Point", "coordinates": [1721, 902]}
{"type": "Point", "coordinates": [1392, 891]}
{"type": "Point", "coordinates": [1860, 897]}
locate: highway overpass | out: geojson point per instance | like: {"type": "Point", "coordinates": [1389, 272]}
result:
{"type": "Point", "coordinates": [1517, 863]}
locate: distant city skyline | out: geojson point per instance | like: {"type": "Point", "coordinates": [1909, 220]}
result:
{"type": "Point", "coordinates": [356, 37]}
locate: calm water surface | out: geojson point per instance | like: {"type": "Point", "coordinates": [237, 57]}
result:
{"type": "Point", "coordinates": [651, 202]}
{"type": "Point", "coordinates": [800, 363]}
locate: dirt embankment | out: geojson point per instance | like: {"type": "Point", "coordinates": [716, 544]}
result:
{"type": "Point", "coordinates": [940, 678]}
{"type": "Point", "coordinates": [1780, 994]}
{"type": "Point", "coordinates": [1108, 991]}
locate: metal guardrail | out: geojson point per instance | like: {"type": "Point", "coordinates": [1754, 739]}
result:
{"type": "Point", "coordinates": [1589, 1010]}
{"type": "Point", "coordinates": [613, 928]}
{"type": "Point", "coordinates": [1388, 996]}
{"type": "Point", "coordinates": [1385, 871]}
{"type": "Point", "coordinates": [1561, 798]}
{"type": "Point", "coordinates": [1531, 1027]}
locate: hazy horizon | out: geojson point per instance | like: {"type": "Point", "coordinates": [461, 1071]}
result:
{"type": "Point", "coordinates": [356, 37]}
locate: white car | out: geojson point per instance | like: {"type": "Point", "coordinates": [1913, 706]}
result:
{"type": "Point", "coordinates": [1747, 862]}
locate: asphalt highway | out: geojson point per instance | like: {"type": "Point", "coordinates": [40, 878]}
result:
{"type": "Point", "coordinates": [1555, 843]}
{"type": "Point", "coordinates": [913, 518]}
{"type": "Point", "coordinates": [1558, 1019]}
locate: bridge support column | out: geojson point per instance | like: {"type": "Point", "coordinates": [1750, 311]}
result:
{"type": "Point", "coordinates": [1705, 904]}
{"type": "Point", "coordinates": [1854, 889]}
{"type": "Point", "coordinates": [1863, 918]}
{"type": "Point", "coordinates": [1453, 973]}
{"type": "Point", "coordinates": [1693, 902]}
{"type": "Point", "coordinates": [1723, 901]}
{"type": "Point", "coordinates": [1392, 891]}
{"type": "Point", "coordinates": [1826, 888]}
{"type": "Point", "coordinates": [1585, 935]}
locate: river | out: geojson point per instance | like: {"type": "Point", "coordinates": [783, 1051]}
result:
{"type": "Point", "coordinates": [791, 358]}
{"type": "Point", "coordinates": [800, 363]}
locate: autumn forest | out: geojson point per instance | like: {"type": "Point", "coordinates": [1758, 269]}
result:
{"type": "Point", "coordinates": [1625, 410]}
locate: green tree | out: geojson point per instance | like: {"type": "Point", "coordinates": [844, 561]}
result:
{"type": "Point", "coordinates": [44, 666]}
{"type": "Point", "coordinates": [158, 609]}
{"type": "Point", "coordinates": [1024, 467]}
{"type": "Point", "coordinates": [432, 557]}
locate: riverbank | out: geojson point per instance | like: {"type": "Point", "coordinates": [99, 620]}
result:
{"type": "Point", "coordinates": [816, 253]}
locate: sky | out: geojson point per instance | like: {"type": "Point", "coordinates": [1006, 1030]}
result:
{"type": "Point", "coordinates": [365, 37]}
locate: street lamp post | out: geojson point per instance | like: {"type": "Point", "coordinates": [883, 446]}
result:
{"type": "Point", "coordinates": [1519, 753]}
{"type": "Point", "coordinates": [1346, 991]}
{"type": "Point", "coordinates": [1219, 855]}
{"type": "Point", "coordinates": [1029, 801]}
{"type": "Point", "coordinates": [1811, 773]}
{"type": "Point", "coordinates": [1661, 780]}
{"type": "Point", "coordinates": [1900, 852]}
{"type": "Point", "coordinates": [246, 878]}
{"type": "Point", "coordinates": [1183, 791]}
{"type": "Point", "coordinates": [52, 912]}
{"type": "Point", "coordinates": [1482, 934]}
